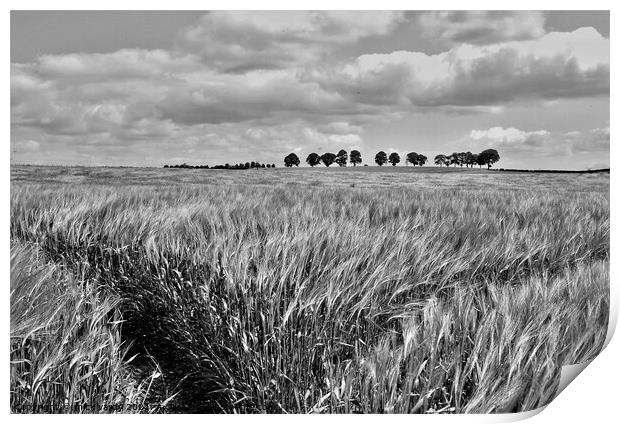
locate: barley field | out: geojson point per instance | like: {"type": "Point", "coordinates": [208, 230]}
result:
{"type": "Point", "coordinates": [356, 290]}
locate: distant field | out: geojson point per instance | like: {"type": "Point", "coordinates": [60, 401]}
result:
{"type": "Point", "coordinates": [371, 176]}
{"type": "Point", "coordinates": [365, 289]}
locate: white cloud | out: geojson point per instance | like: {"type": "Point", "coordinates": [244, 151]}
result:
{"type": "Point", "coordinates": [556, 65]}
{"type": "Point", "coordinates": [240, 41]}
{"type": "Point", "coordinates": [260, 94]}
{"type": "Point", "coordinates": [538, 141]}
{"type": "Point", "coordinates": [509, 138]}
{"type": "Point", "coordinates": [125, 63]}
{"type": "Point", "coordinates": [482, 27]}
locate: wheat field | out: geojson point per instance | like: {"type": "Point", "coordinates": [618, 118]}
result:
{"type": "Point", "coordinates": [299, 291]}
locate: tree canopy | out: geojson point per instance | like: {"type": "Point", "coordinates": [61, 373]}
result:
{"type": "Point", "coordinates": [291, 160]}
{"type": "Point", "coordinates": [394, 158]}
{"type": "Point", "coordinates": [313, 159]}
{"type": "Point", "coordinates": [488, 157]}
{"type": "Point", "coordinates": [381, 158]}
{"type": "Point", "coordinates": [328, 159]}
{"type": "Point", "coordinates": [442, 160]}
{"type": "Point", "coordinates": [416, 159]}
{"type": "Point", "coordinates": [342, 157]}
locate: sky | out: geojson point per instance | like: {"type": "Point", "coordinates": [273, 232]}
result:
{"type": "Point", "coordinates": [138, 88]}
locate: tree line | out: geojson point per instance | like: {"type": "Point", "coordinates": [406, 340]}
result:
{"type": "Point", "coordinates": [327, 159]}
{"type": "Point", "coordinates": [247, 165]}
{"type": "Point", "coordinates": [487, 157]}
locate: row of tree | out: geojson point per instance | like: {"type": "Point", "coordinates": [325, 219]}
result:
{"type": "Point", "coordinates": [486, 157]}
{"type": "Point", "coordinates": [381, 158]}
{"type": "Point", "coordinates": [327, 159]}
{"type": "Point", "coordinates": [247, 165]}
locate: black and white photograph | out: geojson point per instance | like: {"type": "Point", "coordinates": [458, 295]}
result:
{"type": "Point", "coordinates": [306, 211]}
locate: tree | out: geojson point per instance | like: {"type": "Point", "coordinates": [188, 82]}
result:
{"type": "Point", "coordinates": [454, 158]}
{"type": "Point", "coordinates": [290, 160]}
{"type": "Point", "coordinates": [394, 158]}
{"type": "Point", "coordinates": [342, 157]}
{"type": "Point", "coordinates": [417, 159]}
{"type": "Point", "coordinates": [442, 160]}
{"type": "Point", "coordinates": [488, 157]}
{"type": "Point", "coordinates": [462, 158]}
{"type": "Point", "coordinates": [381, 158]}
{"type": "Point", "coordinates": [469, 159]}
{"type": "Point", "coordinates": [313, 159]}
{"type": "Point", "coordinates": [412, 158]}
{"type": "Point", "coordinates": [355, 157]}
{"type": "Point", "coordinates": [474, 159]}
{"type": "Point", "coordinates": [328, 159]}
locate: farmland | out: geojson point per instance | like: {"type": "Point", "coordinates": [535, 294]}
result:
{"type": "Point", "coordinates": [389, 289]}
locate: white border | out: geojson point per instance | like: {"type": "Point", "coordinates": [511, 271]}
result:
{"type": "Point", "coordinates": [592, 396]}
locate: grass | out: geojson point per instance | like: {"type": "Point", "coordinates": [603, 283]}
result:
{"type": "Point", "coordinates": [455, 292]}
{"type": "Point", "coordinates": [427, 177]}
{"type": "Point", "coordinates": [66, 350]}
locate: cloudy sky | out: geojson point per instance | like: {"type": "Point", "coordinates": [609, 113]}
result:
{"type": "Point", "coordinates": [150, 88]}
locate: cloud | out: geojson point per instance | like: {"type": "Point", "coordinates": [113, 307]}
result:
{"type": "Point", "coordinates": [125, 64]}
{"type": "Point", "coordinates": [481, 27]}
{"type": "Point", "coordinates": [596, 139]}
{"type": "Point", "coordinates": [25, 146]}
{"type": "Point", "coordinates": [539, 141]}
{"type": "Point", "coordinates": [557, 65]}
{"type": "Point", "coordinates": [192, 110]}
{"type": "Point", "coordinates": [340, 127]}
{"type": "Point", "coordinates": [599, 165]}
{"type": "Point", "coordinates": [197, 144]}
{"type": "Point", "coordinates": [239, 41]}
{"type": "Point", "coordinates": [508, 138]}
{"type": "Point", "coordinates": [82, 93]}
{"type": "Point", "coordinates": [260, 94]}
{"type": "Point", "coordinates": [264, 82]}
